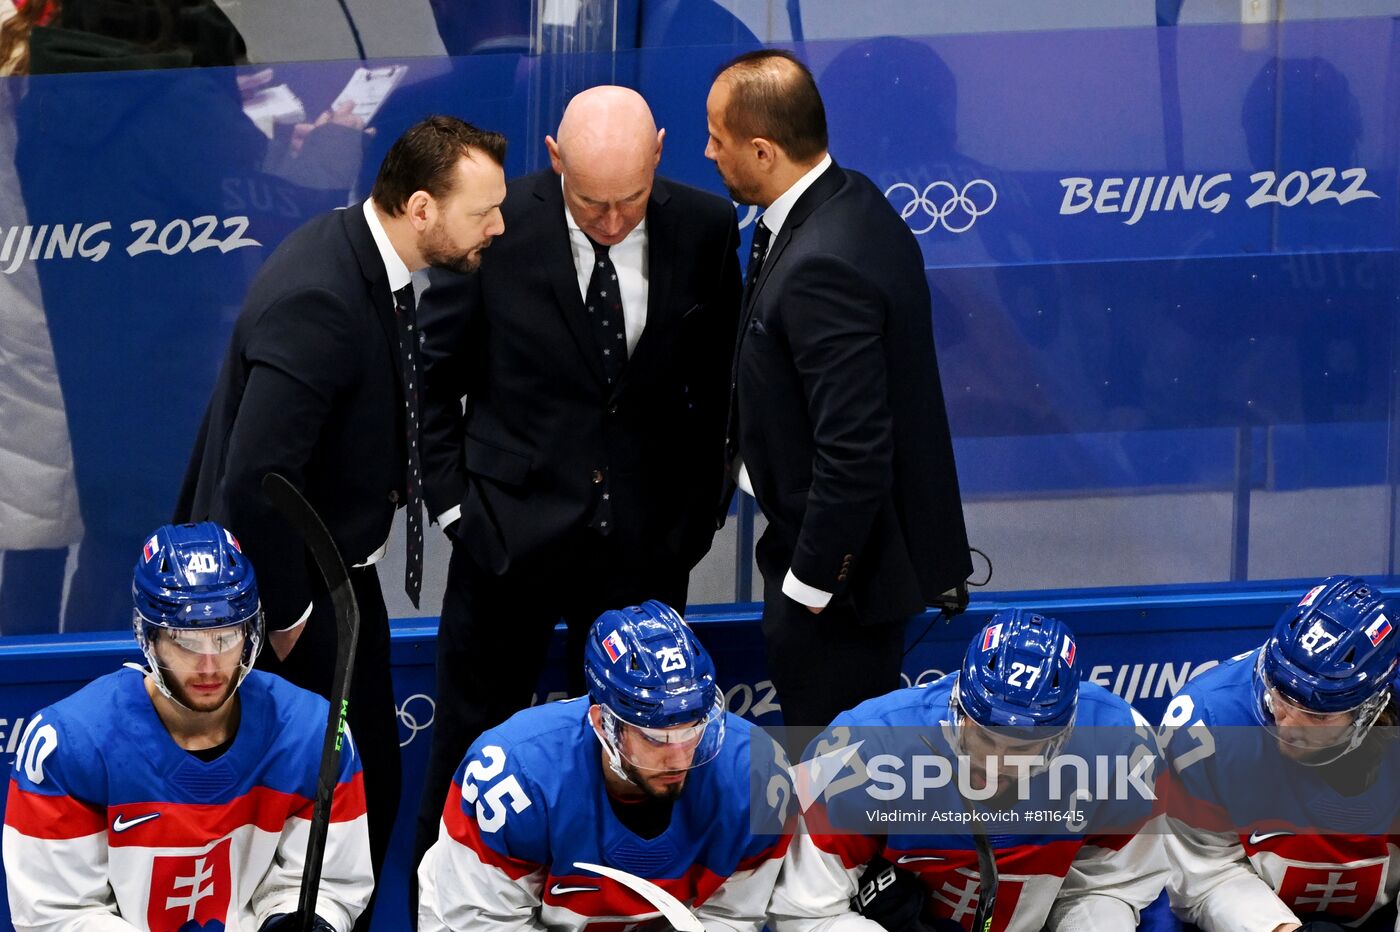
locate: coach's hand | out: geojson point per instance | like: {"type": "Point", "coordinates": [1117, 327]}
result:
{"type": "Point", "coordinates": [283, 641]}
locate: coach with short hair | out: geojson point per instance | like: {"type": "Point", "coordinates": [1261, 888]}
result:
{"type": "Point", "coordinates": [837, 423]}
{"type": "Point", "coordinates": [320, 384]}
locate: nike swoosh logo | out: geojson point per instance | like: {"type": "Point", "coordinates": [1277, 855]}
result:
{"type": "Point", "coordinates": [120, 824]}
{"type": "Point", "coordinates": [559, 890]}
{"type": "Point", "coordinates": [1256, 837]}
{"type": "Point", "coordinates": [911, 858]}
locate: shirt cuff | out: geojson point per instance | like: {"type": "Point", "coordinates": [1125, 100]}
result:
{"type": "Point", "coordinates": [450, 515]}
{"type": "Point", "coordinates": [296, 624]}
{"type": "Point", "coordinates": [741, 475]}
{"type": "Point", "coordinates": [803, 594]}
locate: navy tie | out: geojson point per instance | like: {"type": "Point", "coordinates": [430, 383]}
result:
{"type": "Point", "coordinates": [604, 303]}
{"type": "Point", "coordinates": [761, 237]}
{"type": "Point", "coordinates": [405, 311]}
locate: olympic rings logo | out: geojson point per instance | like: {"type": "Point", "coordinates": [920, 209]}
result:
{"type": "Point", "coordinates": [409, 721]}
{"type": "Point", "coordinates": [942, 202]}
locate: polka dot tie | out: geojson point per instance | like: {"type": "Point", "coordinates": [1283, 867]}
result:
{"type": "Point", "coordinates": [406, 314]}
{"type": "Point", "coordinates": [604, 306]}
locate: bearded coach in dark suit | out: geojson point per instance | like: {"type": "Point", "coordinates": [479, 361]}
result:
{"type": "Point", "coordinates": [593, 351]}
{"type": "Point", "coordinates": [837, 424]}
{"type": "Point", "coordinates": [319, 385]}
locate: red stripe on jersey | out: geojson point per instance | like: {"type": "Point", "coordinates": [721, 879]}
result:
{"type": "Point", "coordinates": [755, 861]}
{"type": "Point", "coordinates": [1316, 849]}
{"type": "Point", "coordinates": [51, 817]}
{"type": "Point", "coordinates": [853, 849]}
{"type": "Point", "coordinates": [347, 803]}
{"type": "Point", "coordinates": [1179, 803]}
{"type": "Point", "coordinates": [1052, 858]}
{"type": "Point", "coordinates": [463, 830]}
{"type": "Point", "coordinates": [188, 825]}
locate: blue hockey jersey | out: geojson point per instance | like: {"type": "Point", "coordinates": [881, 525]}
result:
{"type": "Point", "coordinates": [1245, 848]}
{"type": "Point", "coordinates": [529, 804]}
{"type": "Point", "coordinates": [110, 824]}
{"type": "Point", "coordinates": [1095, 871]}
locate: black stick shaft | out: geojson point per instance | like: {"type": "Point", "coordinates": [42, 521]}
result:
{"type": "Point", "coordinates": [301, 516]}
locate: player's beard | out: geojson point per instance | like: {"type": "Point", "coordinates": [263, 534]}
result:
{"type": "Point", "coordinates": [644, 782]}
{"type": "Point", "coordinates": [439, 252]}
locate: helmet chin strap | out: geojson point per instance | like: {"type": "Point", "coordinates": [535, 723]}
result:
{"type": "Point", "coordinates": [1359, 733]}
{"type": "Point", "coordinates": [611, 751]}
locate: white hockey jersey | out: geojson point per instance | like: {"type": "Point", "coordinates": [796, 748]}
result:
{"type": "Point", "coordinates": [1097, 878]}
{"type": "Point", "coordinates": [1244, 849]}
{"type": "Point", "coordinates": [110, 825]}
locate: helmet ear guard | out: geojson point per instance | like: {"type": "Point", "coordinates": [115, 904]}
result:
{"type": "Point", "coordinates": [193, 586]}
{"type": "Point", "coordinates": [655, 686]}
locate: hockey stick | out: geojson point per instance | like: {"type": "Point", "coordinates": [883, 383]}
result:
{"type": "Point", "coordinates": [676, 913]}
{"type": "Point", "coordinates": [301, 516]}
{"type": "Point", "coordinates": [988, 877]}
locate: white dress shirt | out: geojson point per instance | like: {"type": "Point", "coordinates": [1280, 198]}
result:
{"type": "Point", "coordinates": [773, 218]}
{"type": "Point", "coordinates": [629, 258]}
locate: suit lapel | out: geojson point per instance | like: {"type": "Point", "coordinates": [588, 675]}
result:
{"type": "Point", "coordinates": [376, 279]}
{"type": "Point", "coordinates": [827, 184]}
{"type": "Point", "coordinates": [557, 257]}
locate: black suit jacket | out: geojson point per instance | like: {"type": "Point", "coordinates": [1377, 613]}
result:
{"type": "Point", "coordinates": [840, 410]}
{"type": "Point", "coordinates": [543, 435]}
{"type": "Point", "coordinates": [310, 388]}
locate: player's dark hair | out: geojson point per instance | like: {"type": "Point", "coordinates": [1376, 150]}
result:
{"type": "Point", "coordinates": [425, 159]}
{"type": "Point", "coordinates": [773, 95]}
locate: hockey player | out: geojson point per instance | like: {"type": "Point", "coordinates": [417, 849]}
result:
{"type": "Point", "coordinates": [1284, 824]}
{"type": "Point", "coordinates": [1015, 708]}
{"type": "Point", "coordinates": [178, 797]}
{"type": "Point", "coordinates": [649, 774]}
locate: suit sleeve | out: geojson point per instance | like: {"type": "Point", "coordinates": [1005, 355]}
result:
{"type": "Point", "coordinates": [55, 837]}
{"type": "Point", "coordinates": [303, 353]}
{"type": "Point", "coordinates": [711, 366]}
{"type": "Point", "coordinates": [487, 869]}
{"type": "Point", "coordinates": [835, 321]}
{"type": "Point", "coordinates": [446, 312]}
{"type": "Point", "coordinates": [347, 877]}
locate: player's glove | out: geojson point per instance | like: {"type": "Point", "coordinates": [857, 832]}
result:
{"type": "Point", "coordinates": [291, 922]}
{"type": "Point", "coordinates": [892, 897]}
{"type": "Point", "coordinates": [1320, 925]}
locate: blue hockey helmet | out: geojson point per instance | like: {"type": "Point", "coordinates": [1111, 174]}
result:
{"type": "Point", "coordinates": [1019, 676]}
{"type": "Point", "coordinates": [646, 670]}
{"type": "Point", "coordinates": [1335, 652]}
{"type": "Point", "coordinates": [193, 586]}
